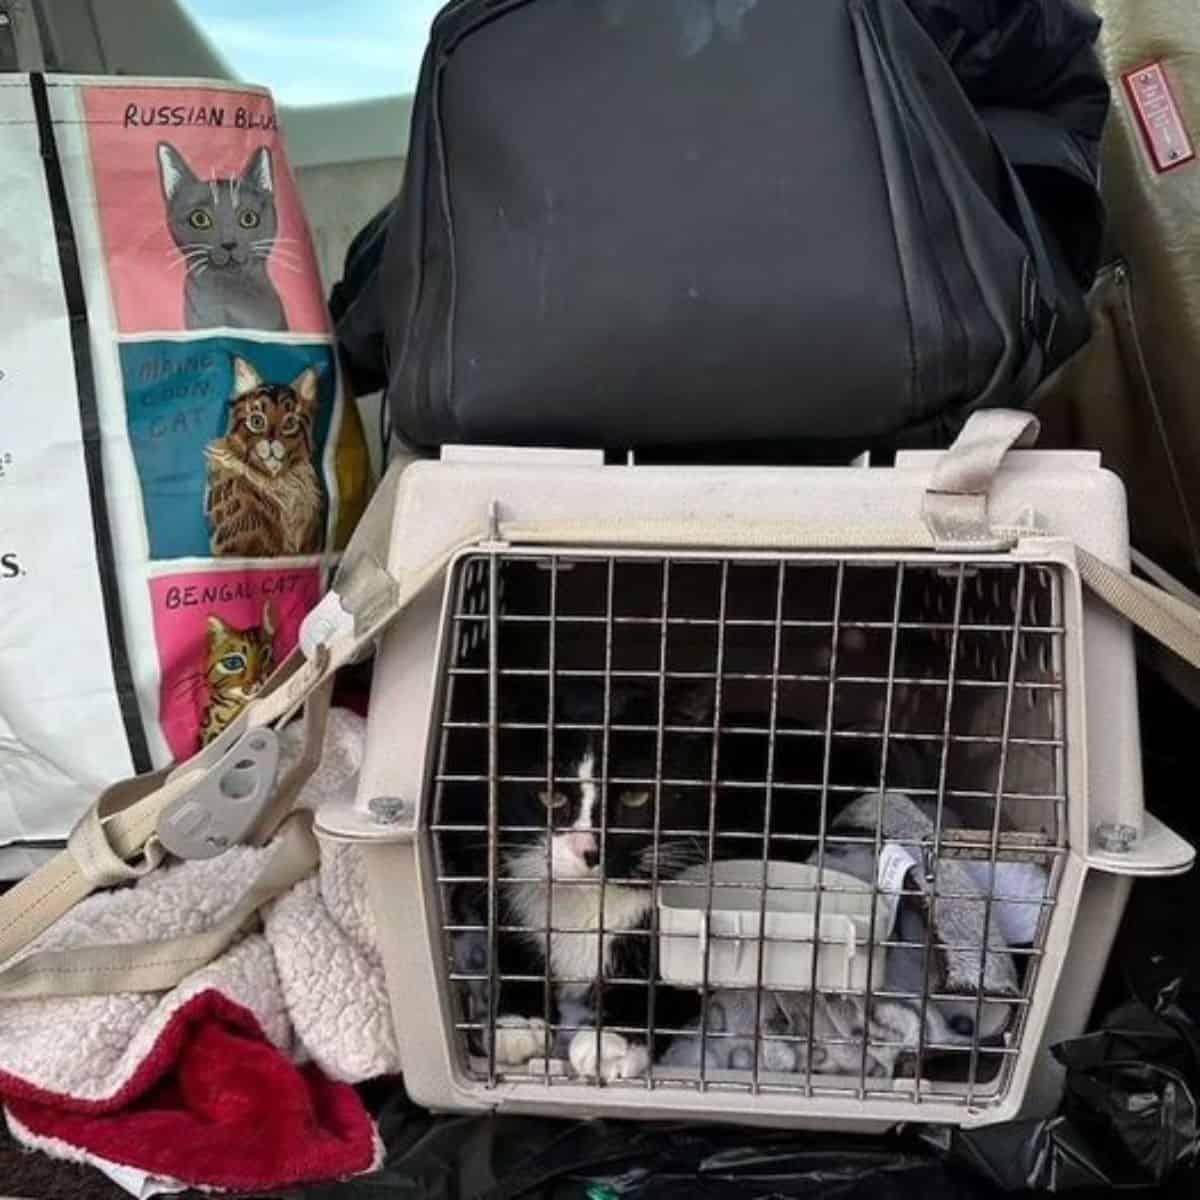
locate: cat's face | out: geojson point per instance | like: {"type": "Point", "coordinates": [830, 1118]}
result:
{"type": "Point", "coordinates": [220, 225]}
{"type": "Point", "coordinates": [590, 837]}
{"type": "Point", "coordinates": [270, 424]}
{"type": "Point", "coordinates": [239, 660]}
{"type": "Point", "coordinates": [576, 827]}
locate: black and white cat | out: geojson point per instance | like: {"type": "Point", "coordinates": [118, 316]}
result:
{"type": "Point", "coordinates": [559, 890]}
{"type": "Point", "coordinates": [566, 866]}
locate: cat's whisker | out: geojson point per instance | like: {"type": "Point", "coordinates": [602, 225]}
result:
{"type": "Point", "coordinates": [267, 248]}
{"type": "Point", "coordinates": [197, 679]}
{"type": "Point", "coordinates": [195, 691]}
{"type": "Point", "coordinates": [196, 674]}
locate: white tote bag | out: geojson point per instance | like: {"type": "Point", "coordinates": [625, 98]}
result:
{"type": "Point", "coordinates": [178, 458]}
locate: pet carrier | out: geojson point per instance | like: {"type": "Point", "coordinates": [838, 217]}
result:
{"type": "Point", "coordinates": [803, 796]}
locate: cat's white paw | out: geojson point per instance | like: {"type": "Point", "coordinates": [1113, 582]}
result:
{"type": "Point", "coordinates": [618, 1057]}
{"type": "Point", "coordinates": [783, 1056]}
{"type": "Point", "coordinates": [518, 1039]}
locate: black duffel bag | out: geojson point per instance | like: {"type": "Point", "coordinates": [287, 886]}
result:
{"type": "Point", "coordinates": [640, 223]}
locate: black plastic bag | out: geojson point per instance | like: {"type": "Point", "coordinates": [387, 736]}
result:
{"type": "Point", "coordinates": [1129, 1120]}
{"type": "Point", "coordinates": [1129, 1116]}
{"type": "Point", "coordinates": [506, 1158]}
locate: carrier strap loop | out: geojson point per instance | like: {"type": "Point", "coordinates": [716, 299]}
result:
{"type": "Point", "coordinates": [956, 502]}
{"type": "Point", "coordinates": [1168, 619]}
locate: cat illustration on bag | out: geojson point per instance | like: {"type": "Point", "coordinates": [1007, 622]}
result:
{"type": "Point", "coordinates": [236, 665]}
{"type": "Point", "coordinates": [225, 231]}
{"type": "Point", "coordinates": [264, 496]}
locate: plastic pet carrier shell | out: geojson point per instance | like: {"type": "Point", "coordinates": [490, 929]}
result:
{"type": "Point", "coordinates": [795, 796]}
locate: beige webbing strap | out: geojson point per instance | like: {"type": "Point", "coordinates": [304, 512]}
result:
{"type": "Point", "coordinates": [35, 903]}
{"type": "Point", "coordinates": [124, 818]}
{"type": "Point", "coordinates": [1166, 618]}
{"type": "Point", "coordinates": [287, 791]}
{"type": "Point", "coordinates": [955, 508]}
{"type": "Point", "coordinates": [158, 966]}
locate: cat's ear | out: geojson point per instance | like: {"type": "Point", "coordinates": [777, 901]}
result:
{"type": "Point", "coordinates": [305, 386]}
{"type": "Point", "coordinates": [259, 172]}
{"type": "Point", "coordinates": [173, 169]}
{"type": "Point", "coordinates": [245, 377]}
{"type": "Point", "coordinates": [268, 620]}
{"type": "Point", "coordinates": [217, 629]}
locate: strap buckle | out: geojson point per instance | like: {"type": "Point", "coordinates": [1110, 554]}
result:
{"type": "Point", "coordinates": [226, 804]}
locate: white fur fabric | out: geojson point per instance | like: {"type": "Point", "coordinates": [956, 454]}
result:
{"type": "Point", "coordinates": [311, 977]}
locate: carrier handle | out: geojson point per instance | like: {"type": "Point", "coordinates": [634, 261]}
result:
{"type": "Point", "coordinates": [955, 508]}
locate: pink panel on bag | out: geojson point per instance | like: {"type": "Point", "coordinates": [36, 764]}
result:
{"type": "Point", "coordinates": [205, 622]}
{"type": "Point", "coordinates": [192, 180]}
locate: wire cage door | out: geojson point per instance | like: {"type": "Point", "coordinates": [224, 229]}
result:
{"type": "Point", "coordinates": [748, 822]}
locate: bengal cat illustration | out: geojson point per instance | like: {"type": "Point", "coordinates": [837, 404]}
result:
{"type": "Point", "coordinates": [236, 665]}
{"type": "Point", "coordinates": [264, 497]}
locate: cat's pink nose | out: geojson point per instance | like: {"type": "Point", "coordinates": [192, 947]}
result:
{"type": "Point", "coordinates": [585, 846]}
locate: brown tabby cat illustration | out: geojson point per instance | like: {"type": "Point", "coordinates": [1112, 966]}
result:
{"type": "Point", "coordinates": [236, 665]}
{"type": "Point", "coordinates": [264, 498]}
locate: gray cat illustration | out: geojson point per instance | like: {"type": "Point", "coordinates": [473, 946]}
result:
{"type": "Point", "coordinates": [225, 231]}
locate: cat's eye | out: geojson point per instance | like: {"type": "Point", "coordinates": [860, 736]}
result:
{"type": "Point", "coordinates": [553, 799]}
{"type": "Point", "coordinates": [256, 423]}
{"type": "Point", "coordinates": [290, 423]}
{"type": "Point", "coordinates": [248, 219]}
{"type": "Point", "coordinates": [233, 662]}
{"type": "Point", "coordinates": [199, 219]}
{"type": "Point", "coordinates": [635, 799]}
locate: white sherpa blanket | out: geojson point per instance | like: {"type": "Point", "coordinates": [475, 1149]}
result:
{"type": "Point", "coordinates": [311, 978]}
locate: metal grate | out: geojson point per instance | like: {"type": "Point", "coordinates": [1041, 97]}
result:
{"type": "Point", "coordinates": [777, 823]}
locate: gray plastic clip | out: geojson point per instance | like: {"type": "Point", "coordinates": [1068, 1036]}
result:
{"type": "Point", "coordinates": [223, 808]}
